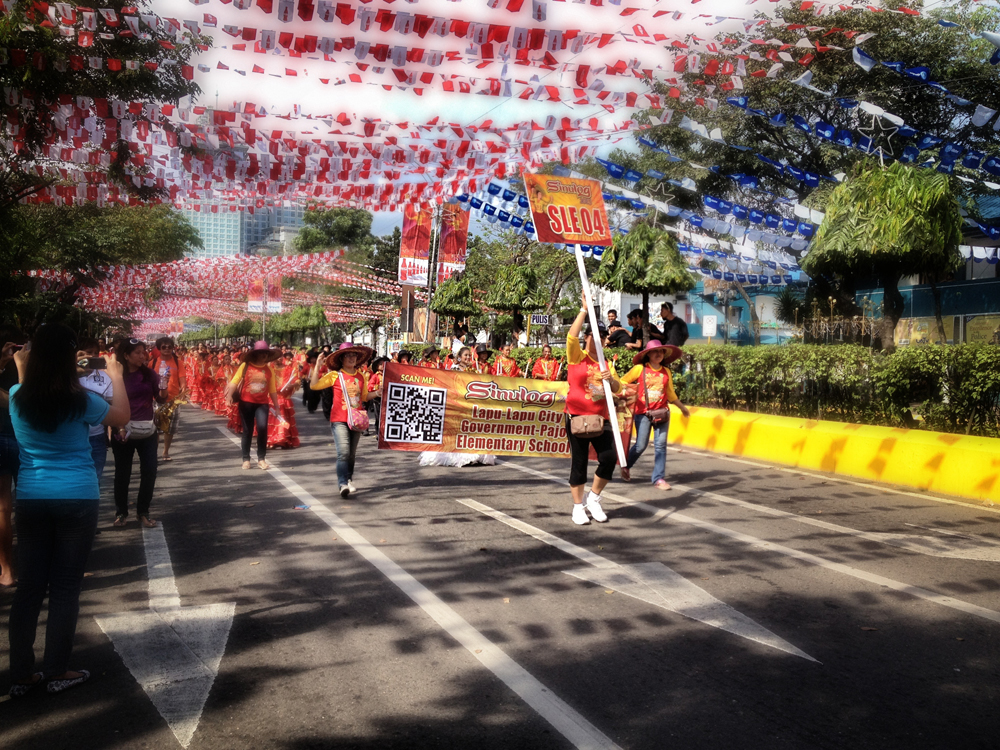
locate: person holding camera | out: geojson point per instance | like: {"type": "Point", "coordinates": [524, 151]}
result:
{"type": "Point", "coordinates": [143, 387]}
{"type": "Point", "coordinates": [57, 500]}
{"type": "Point", "coordinates": [94, 378]}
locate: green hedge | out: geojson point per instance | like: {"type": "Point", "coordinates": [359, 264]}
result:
{"type": "Point", "coordinates": [944, 388]}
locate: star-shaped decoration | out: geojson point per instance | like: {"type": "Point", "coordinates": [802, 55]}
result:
{"type": "Point", "coordinates": [876, 130]}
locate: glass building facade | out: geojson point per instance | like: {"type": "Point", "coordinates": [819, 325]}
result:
{"type": "Point", "coordinates": [267, 231]}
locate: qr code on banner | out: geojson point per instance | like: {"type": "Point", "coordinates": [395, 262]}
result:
{"type": "Point", "coordinates": [414, 414]}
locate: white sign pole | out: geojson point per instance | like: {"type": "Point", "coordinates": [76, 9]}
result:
{"type": "Point", "coordinates": [599, 345]}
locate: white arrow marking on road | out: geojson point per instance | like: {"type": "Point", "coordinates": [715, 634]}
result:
{"type": "Point", "coordinates": [173, 652]}
{"type": "Point", "coordinates": [654, 583]}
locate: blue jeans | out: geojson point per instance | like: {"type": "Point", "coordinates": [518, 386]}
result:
{"type": "Point", "coordinates": [643, 425]}
{"type": "Point", "coordinates": [347, 447]}
{"type": "Point", "coordinates": [54, 538]}
{"type": "Point", "coordinates": [99, 452]}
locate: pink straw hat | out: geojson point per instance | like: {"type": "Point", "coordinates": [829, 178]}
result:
{"type": "Point", "coordinates": [671, 353]}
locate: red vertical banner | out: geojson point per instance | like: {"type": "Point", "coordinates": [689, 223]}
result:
{"type": "Point", "coordinates": [274, 294]}
{"type": "Point", "coordinates": [454, 245]}
{"type": "Point", "coordinates": [414, 249]}
{"type": "Point", "coordinates": [255, 296]}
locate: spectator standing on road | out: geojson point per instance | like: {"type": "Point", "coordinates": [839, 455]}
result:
{"type": "Point", "coordinates": [10, 340]}
{"type": "Point", "coordinates": [675, 330]}
{"type": "Point", "coordinates": [142, 387]}
{"type": "Point", "coordinates": [99, 382]}
{"type": "Point", "coordinates": [655, 394]}
{"type": "Point", "coordinates": [168, 366]}
{"type": "Point", "coordinates": [350, 392]}
{"type": "Point", "coordinates": [637, 319]}
{"type": "Point", "coordinates": [57, 501]}
{"type": "Point", "coordinates": [586, 397]}
{"type": "Point", "coordinates": [253, 386]}
{"type": "Point", "coordinates": [618, 337]}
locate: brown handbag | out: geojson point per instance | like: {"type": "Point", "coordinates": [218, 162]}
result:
{"type": "Point", "coordinates": [586, 425]}
{"type": "Point", "coordinates": [656, 416]}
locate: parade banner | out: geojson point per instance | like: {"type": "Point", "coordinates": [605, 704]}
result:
{"type": "Point", "coordinates": [255, 296]}
{"type": "Point", "coordinates": [466, 412]}
{"type": "Point", "coordinates": [454, 244]}
{"type": "Point", "coordinates": [274, 294]}
{"type": "Point", "coordinates": [567, 210]}
{"type": "Point", "coordinates": [415, 246]}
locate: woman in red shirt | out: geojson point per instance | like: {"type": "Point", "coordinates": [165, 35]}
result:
{"type": "Point", "coordinates": [254, 382]}
{"type": "Point", "coordinates": [652, 372]}
{"type": "Point", "coordinates": [585, 397]}
{"type": "Point", "coordinates": [350, 389]}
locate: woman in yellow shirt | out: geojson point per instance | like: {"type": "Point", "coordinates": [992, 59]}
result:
{"type": "Point", "coordinates": [656, 391]}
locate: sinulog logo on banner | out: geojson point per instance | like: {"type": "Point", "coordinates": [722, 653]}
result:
{"type": "Point", "coordinates": [567, 210]}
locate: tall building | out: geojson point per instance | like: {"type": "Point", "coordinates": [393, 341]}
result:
{"type": "Point", "coordinates": [267, 231]}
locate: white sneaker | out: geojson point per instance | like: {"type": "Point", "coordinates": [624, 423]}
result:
{"type": "Point", "coordinates": [595, 509]}
{"type": "Point", "coordinates": [350, 487]}
{"type": "Point", "coordinates": [344, 490]}
{"type": "Point", "coordinates": [580, 515]}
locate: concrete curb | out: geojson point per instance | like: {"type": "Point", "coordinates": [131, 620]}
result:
{"type": "Point", "coordinates": [950, 464]}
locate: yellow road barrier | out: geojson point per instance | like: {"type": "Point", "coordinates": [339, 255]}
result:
{"type": "Point", "coordinates": [951, 464]}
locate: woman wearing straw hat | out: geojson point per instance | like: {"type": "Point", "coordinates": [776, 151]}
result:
{"type": "Point", "coordinates": [350, 393]}
{"type": "Point", "coordinates": [652, 411]}
{"type": "Point", "coordinates": [253, 386]}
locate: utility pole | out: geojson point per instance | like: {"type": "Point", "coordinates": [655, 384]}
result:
{"type": "Point", "coordinates": [432, 270]}
{"type": "Point", "coordinates": [263, 313]}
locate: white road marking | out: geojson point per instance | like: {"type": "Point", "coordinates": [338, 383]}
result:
{"type": "Point", "coordinates": [653, 583]}
{"type": "Point", "coordinates": [986, 505]}
{"type": "Point", "coordinates": [173, 652]}
{"type": "Point", "coordinates": [568, 722]}
{"type": "Point", "coordinates": [906, 588]}
{"type": "Point", "coordinates": [960, 548]}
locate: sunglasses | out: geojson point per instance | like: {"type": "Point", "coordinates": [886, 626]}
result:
{"type": "Point", "coordinates": [133, 342]}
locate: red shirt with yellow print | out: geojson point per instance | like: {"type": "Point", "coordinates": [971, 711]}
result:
{"type": "Point", "coordinates": [659, 384]}
{"type": "Point", "coordinates": [357, 392]}
{"type": "Point", "coordinates": [586, 390]}
{"type": "Point", "coordinates": [258, 383]}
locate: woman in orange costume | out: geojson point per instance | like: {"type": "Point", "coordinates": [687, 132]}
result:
{"type": "Point", "coordinates": [284, 434]}
{"type": "Point", "coordinates": [504, 365]}
{"type": "Point", "coordinates": [547, 367]}
{"type": "Point", "coordinates": [230, 408]}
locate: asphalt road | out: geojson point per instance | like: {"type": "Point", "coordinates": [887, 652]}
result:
{"type": "Point", "coordinates": [817, 612]}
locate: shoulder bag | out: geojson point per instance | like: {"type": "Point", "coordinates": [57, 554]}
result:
{"type": "Point", "coordinates": [233, 391]}
{"type": "Point", "coordinates": [586, 425]}
{"type": "Point", "coordinates": [357, 419]}
{"type": "Point", "coordinates": [656, 416]}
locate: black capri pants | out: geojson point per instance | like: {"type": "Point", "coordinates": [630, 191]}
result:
{"type": "Point", "coordinates": [579, 449]}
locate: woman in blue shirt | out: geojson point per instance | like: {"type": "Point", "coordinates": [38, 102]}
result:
{"type": "Point", "coordinates": [57, 497]}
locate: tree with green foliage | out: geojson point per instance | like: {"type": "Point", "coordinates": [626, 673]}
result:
{"type": "Point", "coordinates": [46, 68]}
{"type": "Point", "coordinates": [645, 261]}
{"type": "Point", "coordinates": [80, 239]}
{"type": "Point", "coordinates": [454, 298]}
{"type": "Point", "coordinates": [889, 222]}
{"type": "Point", "coordinates": [334, 227]}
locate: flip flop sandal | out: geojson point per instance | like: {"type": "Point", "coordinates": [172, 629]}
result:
{"type": "Point", "coordinates": [264, 465]}
{"type": "Point", "coordinates": [148, 522]}
{"type": "Point", "coordinates": [120, 521]}
{"type": "Point", "coordinates": [21, 689]}
{"type": "Point", "coordinates": [246, 464]}
{"type": "Point", "coordinates": [57, 686]}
